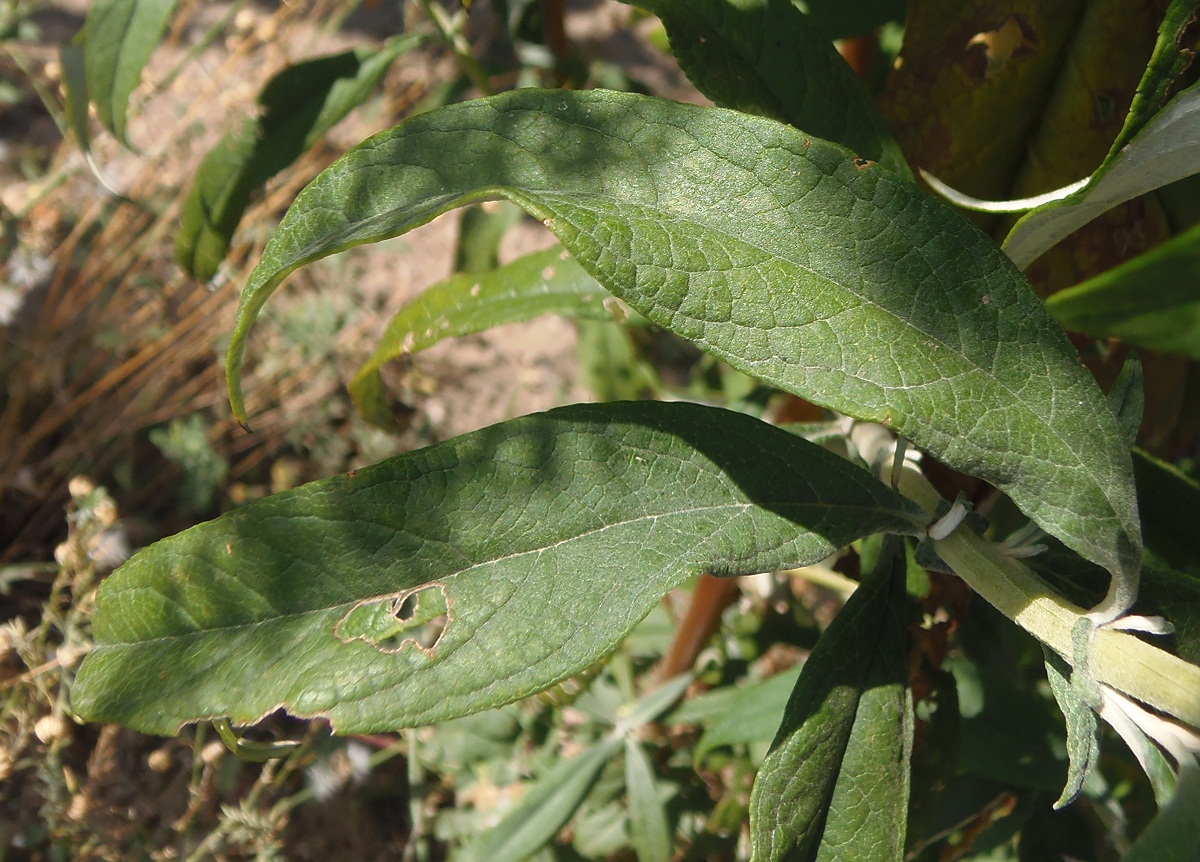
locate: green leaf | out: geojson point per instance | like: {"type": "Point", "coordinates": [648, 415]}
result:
{"type": "Point", "coordinates": [74, 78]}
{"type": "Point", "coordinates": [119, 37]}
{"type": "Point", "coordinates": [836, 783]}
{"type": "Point", "coordinates": [1169, 500]}
{"type": "Point", "coordinates": [1078, 697]}
{"type": "Point", "coordinates": [840, 20]}
{"type": "Point", "coordinates": [649, 831]}
{"type": "Point", "coordinates": [479, 235]}
{"type": "Point", "coordinates": [1152, 301]}
{"type": "Point", "coordinates": [752, 716]}
{"type": "Point", "coordinates": [545, 808]}
{"type": "Point", "coordinates": [299, 105]}
{"type": "Point", "coordinates": [1127, 399]}
{"type": "Point", "coordinates": [766, 57]}
{"type": "Point", "coordinates": [547, 538]}
{"type": "Point", "coordinates": [1162, 152]}
{"type": "Point", "coordinates": [776, 252]}
{"type": "Point", "coordinates": [545, 282]}
{"type": "Point", "coordinates": [1174, 834]}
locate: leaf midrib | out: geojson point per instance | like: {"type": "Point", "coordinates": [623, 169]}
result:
{"type": "Point", "coordinates": [277, 617]}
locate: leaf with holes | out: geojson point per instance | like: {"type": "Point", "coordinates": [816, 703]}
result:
{"type": "Point", "coordinates": [780, 253]}
{"type": "Point", "coordinates": [465, 575]}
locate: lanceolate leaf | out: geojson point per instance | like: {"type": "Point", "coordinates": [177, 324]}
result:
{"type": "Point", "coordinates": [545, 809]}
{"type": "Point", "coordinates": [465, 575]}
{"type": "Point", "coordinates": [775, 251]}
{"type": "Point", "coordinates": [1152, 301]}
{"type": "Point", "coordinates": [835, 785]}
{"type": "Point", "coordinates": [119, 37]}
{"type": "Point", "coordinates": [766, 57]}
{"type": "Point", "coordinates": [539, 283]}
{"type": "Point", "coordinates": [1162, 152]}
{"type": "Point", "coordinates": [299, 105]}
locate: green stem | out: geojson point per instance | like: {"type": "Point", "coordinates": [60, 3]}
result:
{"type": "Point", "coordinates": [450, 30]}
{"type": "Point", "coordinates": [1118, 659]}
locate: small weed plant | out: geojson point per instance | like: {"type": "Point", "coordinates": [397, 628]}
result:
{"type": "Point", "coordinates": [784, 234]}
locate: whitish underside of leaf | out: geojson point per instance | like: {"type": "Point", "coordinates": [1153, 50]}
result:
{"type": "Point", "coordinates": [775, 251]}
{"type": "Point", "coordinates": [1161, 153]}
{"type": "Point", "coordinates": [549, 281]}
{"type": "Point", "coordinates": [120, 36]}
{"type": "Point", "coordinates": [546, 539]}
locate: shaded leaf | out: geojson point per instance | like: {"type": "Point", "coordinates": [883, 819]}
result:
{"type": "Point", "coordinates": [1152, 301]}
{"type": "Point", "coordinates": [766, 57]}
{"type": "Point", "coordinates": [119, 37]}
{"type": "Point", "coordinates": [549, 537]}
{"type": "Point", "coordinates": [1174, 834]}
{"type": "Point", "coordinates": [753, 715]}
{"type": "Point", "coordinates": [545, 808]}
{"type": "Point", "coordinates": [830, 279]}
{"type": "Point", "coordinates": [1127, 398]}
{"type": "Point", "coordinates": [649, 831]}
{"type": "Point", "coordinates": [545, 282]}
{"type": "Point", "coordinates": [479, 236]}
{"type": "Point", "coordinates": [1169, 500]}
{"type": "Point", "coordinates": [299, 105]}
{"type": "Point", "coordinates": [840, 20]}
{"type": "Point", "coordinates": [74, 78]}
{"type": "Point", "coordinates": [836, 783]}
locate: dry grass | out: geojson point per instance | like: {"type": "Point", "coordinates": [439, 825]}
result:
{"type": "Point", "coordinates": [116, 340]}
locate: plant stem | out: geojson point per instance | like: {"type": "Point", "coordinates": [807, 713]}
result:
{"type": "Point", "coordinates": [1118, 659]}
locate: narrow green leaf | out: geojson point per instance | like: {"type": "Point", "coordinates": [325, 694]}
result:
{"type": "Point", "coordinates": [545, 809]}
{"type": "Point", "coordinates": [119, 37]}
{"type": "Point", "coordinates": [547, 538]}
{"type": "Point", "coordinates": [479, 235]}
{"type": "Point", "coordinates": [74, 79]}
{"type": "Point", "coordinates": [1162, 152]}
{"type": "Point", "coordinates": [753, 716]}
{"type": "Point", "coordinates": [1169, 500]}
{"type": "Point", "coordinates": [1127, 399]}
{"type": "Point", "coordinates": [649, 830]}
{"type": "Point", "coordinates": [766, 57]}
{"type": "Point", "coordinates": [836, 783]}
{"type": "Point", "coordinates": [840, 20]}
{"type": "Point", "coordinates": [1174, 834]}
{"type": "Point", "coordinates": [299, 105]}
{"type": "Point", "coordinates": [545, 282]}
{"type": "Point", "coordinates": [776, 252]}
{"type": "Point", "coordinates": [1078, 697]}
{"type": "Point", "coordinates": [1152, 301]}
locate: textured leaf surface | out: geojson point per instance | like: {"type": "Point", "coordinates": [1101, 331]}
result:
{"type": "Point", "coordinates": [545, 539]}
{"type": "Point", "coordinates": [299, 105]}
{"type": "Point", "coordinates": [766, 57]}
{"type": "Point", "coordinates": [1152, 301]}
{"type": "Point", "coordinates": [836, 784]}
{"type": "Point", "coordinates": [775, 251]}
{"type": "Point", "coordinates": [119, 37]}
{"type": "Point", "coordinates": [540, 283]}
{"type": "Point", "coordinates": [1078, 697]}
{"type": "Point", "coordinates": [1162, 152]}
